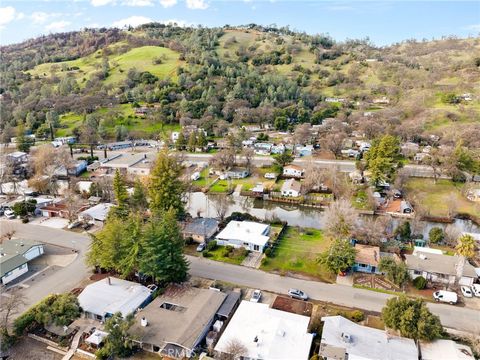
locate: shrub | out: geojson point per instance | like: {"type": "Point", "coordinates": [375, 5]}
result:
{"type": "Point", "coordinates": [227, 251]}
{"type": "Point", "coordinates": [212, 245]}
{"type": "Point", "coordinates": [357, 315]}
{"type": "Point", "coordinates": [420, 283]}
{"type": "Point", "coordinates": [436, 235]}
{"type": "Point", "coordinates": [269, 252]}
{"type": "Point", "coordinates": [206, 254]}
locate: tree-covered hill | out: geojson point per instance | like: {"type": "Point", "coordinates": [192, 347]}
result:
{"type": "Point", "coordinates": [89, 82]}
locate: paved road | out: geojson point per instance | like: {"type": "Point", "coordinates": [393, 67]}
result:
{"type": "Point", "coordinates": [61, 280]}
{"type": "Point", "coordinates": [455, 317]}
{"type": "Point", "coordinates": [341, 165]}
{"type": "Point", "coordinates": [65, 279]}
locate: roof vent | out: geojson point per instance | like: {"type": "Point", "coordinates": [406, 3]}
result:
{"type": "Point", "coordinates": [143, 321]}
{"type": "Point", "coordinates": [256, 339]}
{"type": "Point", "coordinates": [422, 256]}
{"type": "Point", "coordinates": [281, 333]}
{"type": "Point", "coordinates": [347, 338]}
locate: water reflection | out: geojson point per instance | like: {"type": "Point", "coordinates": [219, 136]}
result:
{"type": "Point", "coordinates": [204, 205]}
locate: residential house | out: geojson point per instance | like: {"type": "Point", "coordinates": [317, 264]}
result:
{"type": "Point", "coordinates": [267, 333]}
{"type": "Point", "coordinates": [293, 171]}
{"type": "Point", "coordinates": [77, 168]}
{"type": "Point", "coordinates": [382, 100]}
{"type": "Point", "coordinates": [356, 176]}
{"type": "Point", "coordinates": [97, 214]}
{"type": "Point", "coordinates": [343, 339]}
{"type": "Point", "coordinates": [277, 149]}
{"type": "Point", "coordinates": [55, 210]}
{"type": "Point", "coordinates": [420, 156]}
{"type": "Point", "coordinates": [248, 234]}
{"type": "Point", "coordinates": [406, 207]}
{"type": "Point", "coordinates": [438, 268]}
{"type": "Point", "coordinates": [291, 187]}
{"type": "Point", "coordinates": [306, 150]}
{"type": "Point", "coordinates": [367, 258]}
{"type": "Point", "coordinates": [135, 164]}
{"type": "Point", "coordinates": [258, 189]}
{"type": "Point", "coordinates": [237, 173]}
{"type": "Point", "coordinates": [108, 296]}
{"type": "Point", "coordinates": [14, 257]}
{"type": "Point", "coordinates": [445, 349]}
{"type": "Point", "coordinates": [200, 229]}
{"type": "Point", "coordinates": [176, 322]}
{"type": "Point", "coordinates": [17, 157]}
{"type": "Point", "coordinates": [262, 148]}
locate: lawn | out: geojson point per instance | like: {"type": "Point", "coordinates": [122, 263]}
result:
{"type": "Point", "coordinates": [202, 182]}
{"type": "Point", "coordinates": [235, 256]}
{"type": "Point", "coordinates": [437, 198]}
{"type": "Point", "coordinates": [297, 251]}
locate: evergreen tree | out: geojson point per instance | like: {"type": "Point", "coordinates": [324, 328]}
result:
{"type": "Point", "coordinates": [166, 188]}
{"type": "Point", "coordinates": [105, 250]}
{"type": "Point", "coordinates": [192, 142]}
{"type": "Point", "coordinates": [23, 143]}
{"type": "Point", "coordinates": [131, 247]}
{"type": "Point", "coordinates": [163, 258]}
{"type": "Point", "coordinates": [138, 200]}
{"type": "Point", "coordinates": [383, 159]}
{"type": "Point", "coordinates": [181, 142]}
{"type": "Point", "coordinates": [412, 318]}
{"type": "Point", "coordinates": [121, 194]}
{"type": "Point", "coordinates": [339, 257]}
{"type": "Point", "coordinates": [202, 141]}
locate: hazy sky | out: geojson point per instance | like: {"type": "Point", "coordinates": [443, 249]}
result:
{"type": "Point", "coordinates": [384, 22]}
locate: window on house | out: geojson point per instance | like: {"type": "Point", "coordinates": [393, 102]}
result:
{"type": "Point", "coordinates": [362, 265]}
{"type": "Point", "coordinates": [417, 272]}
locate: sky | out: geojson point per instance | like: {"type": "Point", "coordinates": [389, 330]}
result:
{"type": "Point", "coordinates": [384, 22]}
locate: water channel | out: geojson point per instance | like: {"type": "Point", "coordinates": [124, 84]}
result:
{"type": "Point", "coordinates": [200, 204]}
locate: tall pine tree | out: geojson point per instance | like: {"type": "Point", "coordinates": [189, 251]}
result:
{"type": "Point", "coordinates": [166, 188]}
{"type": "Point", "coordinates": [121, 195]}
{"type": "Point", "coordinates": [162, 256]}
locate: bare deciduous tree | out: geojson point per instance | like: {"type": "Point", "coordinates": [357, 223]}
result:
{"type": "Point", "coordinates": [221, 203]}
{"type": "Point", "coordinates": [341, 219]}
{"type": "Point", "coordinates": [248, 154]}
{"type": "Point", "coordinates": [234, 350]}
{"type": "Point", "coordinates": [223, 159]}
{"type": "Point", "coordinates": [314, 178]}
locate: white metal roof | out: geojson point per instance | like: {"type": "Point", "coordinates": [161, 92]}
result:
{"type": "Point", "coordinates": [97, 212]}
{"type": "Point", "coordinates": [102, 298]}
{"type": "Point", "coordinates": [365, 342]}
{"type": "Point", "coordinates": [246, 231]}
{"type": "Point", "coordinates": [279, 334]}
{"type": "Point", "coordinates": [97, 337]}
{"type": "Point", "coordinates": [445, 349]}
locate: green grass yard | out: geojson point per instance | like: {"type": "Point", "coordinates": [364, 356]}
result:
{"type": "Point", "coordinates": [436, 198]}
{"type": "Point", "coordinates": [235, 257]}
{"type": "Point", "coordinates": [297, 251]}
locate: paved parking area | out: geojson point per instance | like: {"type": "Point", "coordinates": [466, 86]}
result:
{"type": "Point", "coordinates": [54, 223]}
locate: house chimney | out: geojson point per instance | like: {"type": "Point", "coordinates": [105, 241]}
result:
{"type": "Point", "coordinates": [143, 321]}
{"type": "Point", "coordinates": [109, 282]}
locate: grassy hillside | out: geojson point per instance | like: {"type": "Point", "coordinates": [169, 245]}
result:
{"type": "Point", "coordinates": [141, 58]}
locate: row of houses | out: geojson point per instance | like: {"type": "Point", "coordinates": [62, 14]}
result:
{"type": "Point", "coordinates": [184, 320]}
{"type": "Point", "coordinates": [431, 264]}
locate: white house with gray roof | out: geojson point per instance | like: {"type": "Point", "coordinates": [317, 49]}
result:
{"type": "Point", "coordinates": [438, 268]}
{"type": "Point", "coordinates": [343, 339]}
{"type": "Point", "coordinates": [14, 257]}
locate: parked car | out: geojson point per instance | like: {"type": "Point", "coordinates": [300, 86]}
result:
{"type": "Point", "coordinates": [201, 247]}
{"type": "Point", "coordinates": [256, 296]}
{"type": "Point", "coordinates": [445, 296]}
{"type": "Point", "coordinates": [476, 290]}
{"type": "Point", "coordinates": [195, 176]}
{"type": "Point", "coordinates": [466, 291]}
{"type": "Point", "coordinates": [297, 294]}
{"type": "Point", "coordinates": [9, 214]}
{"type": "Point", "coordinates": [270, 176]}
{"type": "Point", "coordinates": [74, 224]}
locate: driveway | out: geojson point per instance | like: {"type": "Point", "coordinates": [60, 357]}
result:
{"type": "Point", "coordinates": [63, 279]}
{"type": "Point", "coordinates": [460, 318]}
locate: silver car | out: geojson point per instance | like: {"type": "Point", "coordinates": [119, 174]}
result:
{"type": "Point", "coordinates": [297, 294]}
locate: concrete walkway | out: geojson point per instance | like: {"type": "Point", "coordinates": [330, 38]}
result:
{"type": "Point", "coordinates": [253, 260]}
